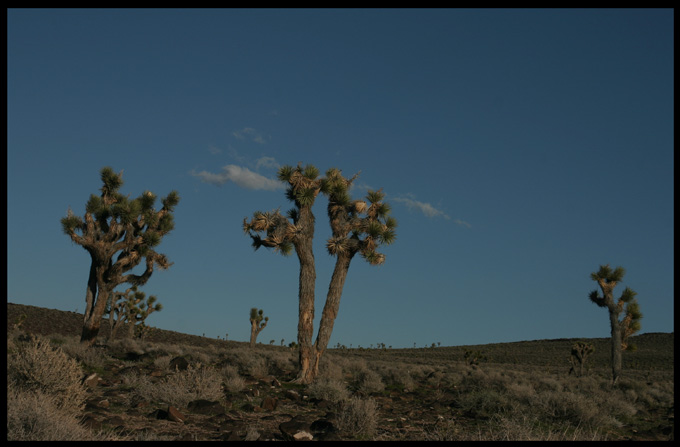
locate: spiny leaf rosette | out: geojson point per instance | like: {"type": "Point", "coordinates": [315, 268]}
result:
{"type": "Point", "coordinates": [119, 234]}
{"type": "Point", "coordinates": [358, 226]}
{"type": "Point", "coordinates": [621, 329]}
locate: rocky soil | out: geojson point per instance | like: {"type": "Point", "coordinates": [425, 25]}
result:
{"type": "Point", "coordinates": [269, 408]}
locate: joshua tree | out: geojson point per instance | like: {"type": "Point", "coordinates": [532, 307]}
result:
{"type": "Point", "coordinates": [473, 358]}
{"type": "Point", "coordinates": [257, 322]}
{"type": "Point", "coordinates": [131, 308]}
{"type": "Point", "coordinates": [118, 233]}
{"type": "Point", "coordinates": [283, 235]}
{"type": "Point", "coordinates": [607, 279]}
{"type": "Point", "coordinates": [356, 228]}
{"type": "Point", "coordinates": [580, 352]}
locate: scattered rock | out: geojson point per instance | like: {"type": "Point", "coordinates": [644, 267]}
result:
{"type": "Point", "coordinates": [324, 430]}
{"type": "Point", "coordinates": [269, 403]}
{"type": "Point", "coordinates": [91, 381]}
{"type": "Point", "coordinates": [203, 406]}
{"type": "Point", "coordinates": [158, 414]}
{"type": "Point", "coordinates": [91, 422]}
{"type": "Point", "coordinates": [179, 364]}
{"type": "Point", "coordinates": [175, 415]}
{"type": "Point", "coordinates": [296, 429]}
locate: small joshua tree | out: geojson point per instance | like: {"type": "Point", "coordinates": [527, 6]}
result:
{"type": "Point", "coordinates": [473, 358]}
{"type": "Point", "coordinates": [607, 279]}
{"type": "Point", "coordinates": [257, 322]}
{"type": "Point", "coordinates": [580, 352]}
{"type": "Point", "coordinates": [132, 309]}
{"type": "Point", "coordinates": [118, 234]}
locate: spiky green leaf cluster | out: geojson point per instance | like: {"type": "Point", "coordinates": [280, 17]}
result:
{"type": "Point", "coordinates": [132, 306]}
{"type": "Point", "coordinates": [608, 275]}
{"type": "Point", "coordinates": [114, 223]}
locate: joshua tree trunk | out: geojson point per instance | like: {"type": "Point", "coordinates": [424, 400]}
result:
{"type": "Point", "coordinates": [330, 310]}
{"type": "Point", "coordinates": [616, 346]}
{"type": "Point", "coordinates": [93, 318]}
{"type": "Point", "coordinates": [303, 248]}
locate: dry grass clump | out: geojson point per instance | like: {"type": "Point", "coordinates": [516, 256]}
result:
{"type": "Point", "coordinates": [37, 416]}
{"type": "Point", "coordinates": [180, 388]}
{"type": "Point", "coordinates": [35, 365]}
{"type": "Point", "coordinates": [330, 389]}
{"type": "Point", "coordinates": [527, 407]}
{"type": "Point", "coordinates": [233, 382]}
{"type": "Point", "coordinates": [397, 377]}
{"type": "Point", "coordinates": [358, 417]}
{"type": "Point", "coordinates": [91, 356]}
{"type": "Point", "coordinates": [44, 393]}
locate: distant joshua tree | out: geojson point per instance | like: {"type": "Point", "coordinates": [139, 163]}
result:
{"type": "Point", "coordinates": [607, 279]}
{"type": "Point", "coordinates": [118, 234]}
{"type": "Point", "coordinates": [580, 352]}
{"type": "Point", "coordinates": [473, 358]}
{"type": "Point", "coordinates": [257, 322]}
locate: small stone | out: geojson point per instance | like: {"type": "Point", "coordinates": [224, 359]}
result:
{"type": "Point", "coordinates": [175, 415]}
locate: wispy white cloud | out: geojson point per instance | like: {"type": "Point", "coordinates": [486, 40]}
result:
{"type": "Point", "coordinates": [249, 133]}
{"type": "Point", "coordinates": [424, 207]}
{"type": "Point", "coordinates": [267, 162]}
{"type": "Point", "coordinates": [243, 177]}
{"type": "Point", "coordinates": [427, 209]}
{"type": "Point", "coordinates": [214, 150]}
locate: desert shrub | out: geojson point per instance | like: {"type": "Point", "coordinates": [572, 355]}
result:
{"type": "Point", "coordinates": [368, 381]}
{"type": "Point", "coordinates": [358, 417]}
{"type": "Point", "coordinates": [576, 409]}
{"type": "Point", "coordinates": [330, 370]}
{"type": "Point", "coordinates": [281, 361]}
{"type": "Point", "coordinates": [180, 388]}
{"type": "Point", "coordinates": [485, 402]}
{"type": "Point", "coordinates": [657, 394]}
{"type": "Point", "coordinates": [257, 366]}
{"type": "Point", "coordinates": [163, 362]}
{"type": "Point", "coordinates": [398, 377]}
{"type": "Point", "coordinates": [33, 415]}
{"type": "Point", "coordinates": [233, 382]}
{"type": "Point", "coordinates": [91, 356]}
{"type": "Point", "coordinates": [333, 390]}
{"type": "Point", "coordinates": [35, 365]}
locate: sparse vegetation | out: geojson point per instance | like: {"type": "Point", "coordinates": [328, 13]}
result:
{"type": "Point", "coordinates": [376, 394]}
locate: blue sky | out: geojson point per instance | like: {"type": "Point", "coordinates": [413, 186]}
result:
{"type": "Point", "coordinates": [519, 149]}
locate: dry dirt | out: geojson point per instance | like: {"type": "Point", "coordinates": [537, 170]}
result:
{"type": "Point", "coordinates": [267, 402]}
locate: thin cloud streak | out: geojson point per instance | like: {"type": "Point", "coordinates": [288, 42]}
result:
{"type": "Point", "coordinates": [243, 177]}
{"type": "Point", "coordinates": [428, 210]}
{"type": "Point", "coordinates": [249, 132]}
{"type": "Point", "coordinates": [425, 208]}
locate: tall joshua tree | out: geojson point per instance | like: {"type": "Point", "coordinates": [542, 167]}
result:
{"type": "Point", "coordinates": [296, 231]}
{"type": "Point", "coordinates": [118, 233]}
{"type": "Point", "coordinates": [357, 228]}
{"type": "Point", "coordinates": [621, 329]}
{"type": "Point", "coordinates": [257, 322]}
